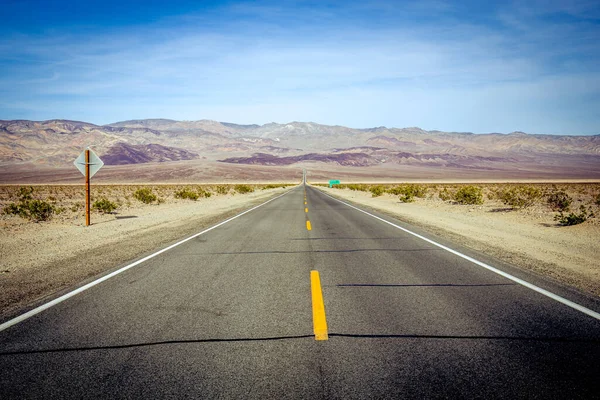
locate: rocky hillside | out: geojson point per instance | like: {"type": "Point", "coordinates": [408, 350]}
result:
{"type": "Point", "coordinates": [58, 142]}
{"type": "Point", "coordinates": [123, 153]}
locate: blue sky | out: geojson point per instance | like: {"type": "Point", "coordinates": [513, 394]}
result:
{"type": "Point", "coordinates": [472, 66]}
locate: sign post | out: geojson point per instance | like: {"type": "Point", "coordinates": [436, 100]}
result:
{"type": "Point", "coordinates": [87, 187]}
{"type": "Point", "coordinates": [334, 182]}
{"type": "Point", "coordinates": [88, 163]}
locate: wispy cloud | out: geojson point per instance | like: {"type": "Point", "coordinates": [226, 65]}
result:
{"type": "Point", "coordinates": [435, 65]}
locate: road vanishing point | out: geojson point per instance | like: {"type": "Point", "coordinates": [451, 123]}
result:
{"type": "Point", "coordinates": [308, 297]}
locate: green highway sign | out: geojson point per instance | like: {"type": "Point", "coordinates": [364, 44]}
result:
{"type": "Point", "coordinates": [334, 182]}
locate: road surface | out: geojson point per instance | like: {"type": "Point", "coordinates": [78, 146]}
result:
{"type": "Point", "coordinates": [229, 314]}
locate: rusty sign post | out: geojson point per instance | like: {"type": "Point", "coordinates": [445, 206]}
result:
{"type": "Point", "coordinates": [88, 163]}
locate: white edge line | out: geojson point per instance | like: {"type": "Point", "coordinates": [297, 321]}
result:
{"type": "Point", "coordinates": [64, 297]}
{"type": "Point", "coordinates": [531, 286]}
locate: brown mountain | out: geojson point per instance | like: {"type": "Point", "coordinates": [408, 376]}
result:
{"type": "Point", "coordinates": [56, 143]}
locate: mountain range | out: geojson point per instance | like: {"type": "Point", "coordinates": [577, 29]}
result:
{"type": "Point", "coordinates": [54, 144]}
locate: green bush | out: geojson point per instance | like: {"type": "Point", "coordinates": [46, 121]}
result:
{"type": "Point", "coordinates": [572, 218]}
{"type": "Point", "coordinates": [204, 193]}
{"type": "Point", "coordinates": [186, 193]}
{"type": "Point", "coordinates": [145, 195]}
{"type": "Point", "coordinates": [35, 210]}
{"type": "Point", "coordinates": [559, 201]}
{"type": "Point", "coordinates": [469, 195]}
{"type": "Point", "coordinates": [39, 210]}
{"type": "Point", "coordinates": [377, 191]}
{"type": "Point", "coordinates": [407, 193]}
{"type": "Point", "coordinates": [104, 205]}
{"type": "Point", "coordinates": [243, 189]}
{"type": "Point", "coordinates": [520, 196]}
{"type": "Point", "coordinates": [222, 189]}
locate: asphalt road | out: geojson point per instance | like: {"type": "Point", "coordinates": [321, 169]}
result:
{"type": "Point", "coordinates": [228, 314]}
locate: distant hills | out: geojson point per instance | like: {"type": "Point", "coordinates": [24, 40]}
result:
{"type": "Point", "coordinates": [57, 143]}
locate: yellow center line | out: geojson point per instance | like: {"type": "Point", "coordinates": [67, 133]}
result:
{"type": "Point", "coordinates": [318, 307]}
{"type": "Point", "coordinates": [308, 227]}
{"type": "Point", "coordinates": [306, 209]}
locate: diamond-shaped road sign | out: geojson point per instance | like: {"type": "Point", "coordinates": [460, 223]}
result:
{"type": "Point", "coordinates": [95, 163]}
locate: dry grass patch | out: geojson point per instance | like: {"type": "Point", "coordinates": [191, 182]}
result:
{"type": "Point", "coordinates": [65, 203]}
{"type": "Point", "coordinates": [569, 203]}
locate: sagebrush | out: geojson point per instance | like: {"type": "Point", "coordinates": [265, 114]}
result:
{"type": "Point", "coordinates": [145, 195]}
{"type": "Point", "coordinates": [573, 218]}
{"type": "Point", "coordinates": [104, 206]}
{"type": "Point", "coordinates": [469, 195]}
{"type": "Point", "coordinates": [407, 193]}
{"type": "Point", "coordinates": [186, 193]}
{"type": "Point", "coordinates": [559, 201]}
{"type": "Point", "coordinates": [242, 189]}
{"type": "Point", "coordinates": [520, 196]}
{"type": "Point", "coordinates": [33, 209]}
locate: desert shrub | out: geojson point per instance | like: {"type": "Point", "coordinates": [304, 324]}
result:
{"type": "Point", "coordinates": [274, 186]}
{"type": "Point", "coordinates": [520, 196]}
{"type": "Point", "coordinates": [35, 210]}
{"type": "Point", "coordinates": [597, 200]}
{"type": "Point", "coordinates": [469, 195]}
{"type": "Point", "coordinates": [494, 193]}
{"type": "Point", "coordinates": [222, 189]}
{"type": "Point", "coordinates": [204, 193]}
{"type": "Point", "coordinates": [354, 186]}
{"type": "Point", "coordinates": [377, 190]}
{"type": "Point", "coordinates": [559, 201]}
{"type": "Point", "coordinates": [186, 193]}
{"type": "Point", "coordinates": [38, 210]}
{"type": "Point", "coordinates": [11, 209]}
{"type": "Point", "coordinates": [145, 195]}
{"type": "Point", "coordinates": [572, 218]}
{"type": "Point", "coordinates": [407, 193]}
{"type": "Point", "coordinates": [242, 189]}
{"type": "Point", "coordinates": [445, 194]}
{"type": "Point", "coordinates": [104, 205]}
{"type": "Point", "coordinates": [25, 193]}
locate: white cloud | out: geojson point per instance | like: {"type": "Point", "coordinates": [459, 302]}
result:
{"type": "Point", "coordinates": [449, 76]}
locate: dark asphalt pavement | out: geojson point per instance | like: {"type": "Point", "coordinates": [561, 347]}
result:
{"type": "Point", "coordinates": [228, 315]}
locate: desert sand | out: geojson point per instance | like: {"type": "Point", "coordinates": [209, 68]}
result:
{"type": "Point", "coordinates": [528, 238]}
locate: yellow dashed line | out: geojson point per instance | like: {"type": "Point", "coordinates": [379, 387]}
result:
{"type": "Point", "coordinates": [306, 210]}
{"type": "Point", "coordinates": [308, 227]}
{"type": "Point", "coordinates": [318, 307]}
